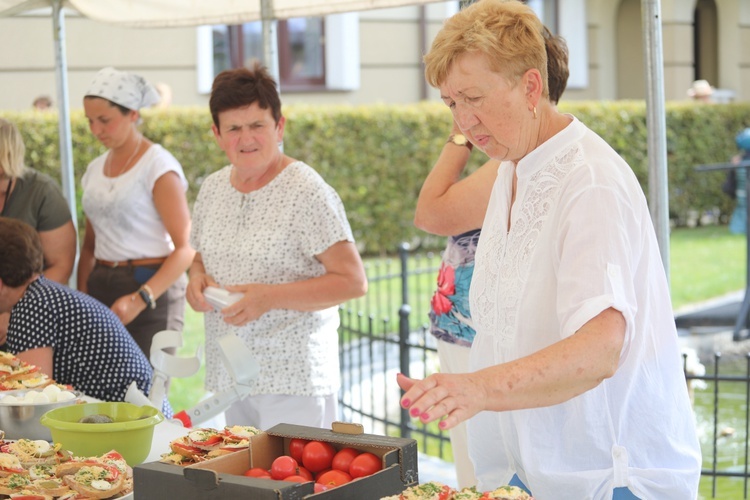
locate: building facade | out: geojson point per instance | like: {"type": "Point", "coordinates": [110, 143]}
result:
{"type": "Point", "coordinates": [375, 56]}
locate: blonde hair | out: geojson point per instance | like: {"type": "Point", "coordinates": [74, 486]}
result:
{"type": "Point", "coordinates": [508, 33]}
{"type": "Point", "coordinates": [12, 150]}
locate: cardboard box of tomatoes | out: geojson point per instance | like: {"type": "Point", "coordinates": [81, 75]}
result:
{"type": "Point", "coordinates": [224, 477]}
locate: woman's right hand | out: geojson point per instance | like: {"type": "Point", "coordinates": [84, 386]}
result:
{"type": "Point", "coordinates": [198, 282]}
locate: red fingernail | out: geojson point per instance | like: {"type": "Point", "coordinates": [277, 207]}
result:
{"type": "Point", "coordinates": [424, 416]}
{"type": "Point", "coordinates": [415, 412]}
{"type": "Point", "coordinates": [405, 403]}
{"type": "Point", "coordinates": [442, 424]}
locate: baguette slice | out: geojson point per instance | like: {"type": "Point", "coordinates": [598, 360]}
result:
{"type": "Point", "coordinates": [14, 483]}
{"type": "Point", "coordinates": [30, 495]}
{"type": "Point", "coordinates": [96, 481]}
{"type": "Point", "coordinates": [10, 465]}
{"type": "Point", "coordinates": [53, 487]}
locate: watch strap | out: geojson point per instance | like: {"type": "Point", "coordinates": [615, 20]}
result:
{"type": "Point", "coordinates": [147, 297]}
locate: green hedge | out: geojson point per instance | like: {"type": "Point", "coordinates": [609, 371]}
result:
{"type": "Point", "coordinates": [377, 156]}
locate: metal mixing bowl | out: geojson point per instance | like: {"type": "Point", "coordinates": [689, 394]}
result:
{"type": "Point", "coordinates": [21, 421]}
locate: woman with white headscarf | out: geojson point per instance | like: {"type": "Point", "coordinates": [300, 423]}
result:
{"type": "Point", "coordinates": [136, 246]}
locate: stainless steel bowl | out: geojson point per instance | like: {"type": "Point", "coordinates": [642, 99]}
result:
{"type": "Point", "coordinates": [21, 421]}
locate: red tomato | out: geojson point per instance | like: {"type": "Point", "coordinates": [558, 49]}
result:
{"type": "Point", "coordinates": [365, 464]}
{"type": "Point", "coordinates": [343, 458]}
{"type": "Point", "coordinates": [296, 445]}
{"type": "Point", "coordinates": [258, 472]}
{"type": "Point", "coordinates": [317, 455]}
{"type": "Point", "coordinates": [283, 466]}
{"type": "Point", "coordinates": [305, 473]}
{"type": "Point", "coordinates": [334, 478]}
{"type": "Point", "coordinates": [113, 455]}
{"type": "Point", "coordinates": [318, 474]}
{"type": "Point", "coordinates": [296, 479]}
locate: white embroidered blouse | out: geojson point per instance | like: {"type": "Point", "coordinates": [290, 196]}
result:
{"type": "Point", "coordinates": [580, 241]}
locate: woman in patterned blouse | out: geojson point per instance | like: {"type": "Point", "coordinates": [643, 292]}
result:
{"type": "Point", "coordinates": [70, 336]}
{"type": "Point", "coordinates": [269, 227]}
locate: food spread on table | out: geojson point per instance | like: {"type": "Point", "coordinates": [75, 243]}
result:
{"type": "Point", "coordinates": [207, 443]}
{"type": "Point", "coordinates": [16, 374]}
{"type": "Point", "coordinates": [39, 469]}
{"type": "Point", "coordinates": [434, 490]}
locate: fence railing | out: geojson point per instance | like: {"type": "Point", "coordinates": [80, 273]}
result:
{"type": "Point", "coordinates": [387, 332]}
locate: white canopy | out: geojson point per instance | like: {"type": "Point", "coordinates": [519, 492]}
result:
{"type": "Point", "coordinates": [170, 13]}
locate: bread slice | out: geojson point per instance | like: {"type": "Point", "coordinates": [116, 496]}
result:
{"type": "Point", "coordinates": [96, 481]}
{"type": "Point", "coordinates": [10, 465]}
{"type": "Point", "coordinates": [31, 495]}
{"type": "Point", "coordinates": [51, 486]}
{"type": "Point", "coordinates": [36, 452]}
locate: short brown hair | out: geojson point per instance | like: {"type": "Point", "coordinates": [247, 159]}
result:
{"type": "Point", "coordinates": [21, 254]}
{"type": "Point", "coordinates": [507, 33]}
{"type": "Point", "coordinates": [241, 87]}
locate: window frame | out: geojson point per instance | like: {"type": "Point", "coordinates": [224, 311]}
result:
{"type": "Point", "coordinates": [341, 57]}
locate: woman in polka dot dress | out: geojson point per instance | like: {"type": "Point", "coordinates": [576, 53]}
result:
{"type": "Point", "coordinates": [268, 226]}
{"type": "Point", "coordinates": [70, 336]}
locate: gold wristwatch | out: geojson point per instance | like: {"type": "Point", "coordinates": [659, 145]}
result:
{"type": "Point", "coordinates": [459, 140]}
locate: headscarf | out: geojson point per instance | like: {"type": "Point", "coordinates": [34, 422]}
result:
{"type": "Point", "coordinates": [126, 89]}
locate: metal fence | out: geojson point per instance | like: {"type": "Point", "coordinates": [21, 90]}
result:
{"type": "Point", "coordinates": [721, 402]}
{"type": "Point", "coordinates": [386, 332]}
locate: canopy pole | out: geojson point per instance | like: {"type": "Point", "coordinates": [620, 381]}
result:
{"type": "Point", "coordinates": [63, 123]}
{"type": "Point", "coordinates": [656, 125]}
{"type": "Point", "coordinates": [270, 45]}
{"type": "Point", "coordinates": [270, 40]}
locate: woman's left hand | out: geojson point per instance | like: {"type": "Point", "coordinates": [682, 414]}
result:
{"type": "Point", "coordinates": [250, 307]}
{"type": "Point", "coordinates": [128, 307]}
{"type": "Point", "coordinates": [451, 397]}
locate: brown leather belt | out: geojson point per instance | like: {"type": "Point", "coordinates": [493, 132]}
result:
{"type": "Point", "coordinates": [132, 262]}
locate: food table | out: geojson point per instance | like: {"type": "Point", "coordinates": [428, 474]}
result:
{"type": "Point", "coordinates": [164, 432]}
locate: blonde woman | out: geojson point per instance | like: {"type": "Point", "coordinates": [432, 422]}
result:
{"type": "Point", "coordinates": [35, 198]}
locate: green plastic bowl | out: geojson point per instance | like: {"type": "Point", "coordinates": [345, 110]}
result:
{"type": "Point", "coordinates": [130, 434]}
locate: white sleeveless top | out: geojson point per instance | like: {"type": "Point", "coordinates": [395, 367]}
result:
{"type": "Point", "coordinates": [122, 211]}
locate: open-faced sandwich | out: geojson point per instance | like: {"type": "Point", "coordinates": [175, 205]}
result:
{"type": "Point", "coordinates": [31, 471]}
{"type": "Point", "coordinates": [434, 490]}
{"type": "Point", "coordinates": [206, 443]}
{"type": "Point", "coordinates": [16, 374]}
{"type": "Point", "coordinates": [34, 452]}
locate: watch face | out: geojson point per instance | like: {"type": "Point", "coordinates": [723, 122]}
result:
{"type": "Point", "coordinates": [460, 139]}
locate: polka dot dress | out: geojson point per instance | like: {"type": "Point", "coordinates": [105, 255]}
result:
{"type": "Point", "coordinates": [93, 352]}
{"type": "Point", "coordinates": [272, 236]}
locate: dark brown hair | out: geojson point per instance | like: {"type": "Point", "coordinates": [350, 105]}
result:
{"type": "Point", "coordinates": [557, 64]}
{"type": "Point", "coordinates": [123, 110]}
{"type": "Point", "coordinates": [241, 87]}
{"type": "Point", "coordinates": [21, 254]}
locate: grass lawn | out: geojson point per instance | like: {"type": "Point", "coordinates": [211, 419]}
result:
{"type": "Point", "coordinates": [705, 262]}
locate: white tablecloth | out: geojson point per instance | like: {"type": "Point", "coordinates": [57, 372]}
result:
{"type": "Point", "coordinates": [164, 432]}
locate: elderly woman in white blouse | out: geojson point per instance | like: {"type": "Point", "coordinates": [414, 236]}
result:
{"type": "Point", "coordinates": [576, 387]}
{"type": "Point", "coordinates": [268, 227]}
